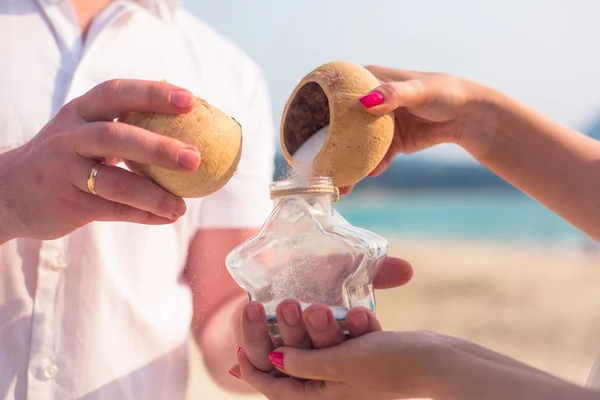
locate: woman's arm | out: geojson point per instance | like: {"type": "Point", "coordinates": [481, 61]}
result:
{"type": "Point", "coordinates": [465, 371]}
{"type": "Point", "coordinates": [553, 164]}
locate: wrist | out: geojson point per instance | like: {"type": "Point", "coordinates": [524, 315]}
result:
{"type": "Point", "coordinates": [419, 365]}
{"type": "Point", "coordinates": [480, 119]}
{"type": "Point", "coordinates": [433, 370]}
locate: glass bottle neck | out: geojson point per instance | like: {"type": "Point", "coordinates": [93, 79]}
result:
{"type": "Point", "coordinates": [318, 192]}
{"type": "Point", "coordinates": [321, 202]}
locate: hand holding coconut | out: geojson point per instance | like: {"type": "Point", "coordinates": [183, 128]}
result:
{"type": "Point", "coordinates": [428, 108]}
{"type": "Point", "coordinates": [549, 162]}
{"type": "Point", "coordinates": [59, 182]}
{"type": "Point", "coordinates": [365, 116]}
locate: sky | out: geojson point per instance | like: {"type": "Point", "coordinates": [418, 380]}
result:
{"type": "Point", "coordinates": [545, 53]}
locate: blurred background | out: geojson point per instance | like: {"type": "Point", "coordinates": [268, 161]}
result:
{"type": "Point", "coordinates": [491, 265]}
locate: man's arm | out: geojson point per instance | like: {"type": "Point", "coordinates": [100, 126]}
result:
{"type": "Point", "coordinates": [227, 218]}
{"type": "Point", "coordinates": [217, 300]}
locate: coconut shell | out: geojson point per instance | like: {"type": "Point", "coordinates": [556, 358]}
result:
{"type": "Point", "coordinates": [356, 142]}
{"type": "Point", "coordinates": [214, 133]}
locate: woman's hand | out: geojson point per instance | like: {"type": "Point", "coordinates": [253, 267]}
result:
{"type": "Point", "coordinates": [519, 144]}
{"type": "Point", "coordinates": [44, 190]}
{"type": "Point", "coordinates": [429, 109]}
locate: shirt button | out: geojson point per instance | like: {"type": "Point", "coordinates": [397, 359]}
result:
{"type": "Point", "coordinates": [50, 371]}
{"type": "Point", "coordinates": [59, 263]}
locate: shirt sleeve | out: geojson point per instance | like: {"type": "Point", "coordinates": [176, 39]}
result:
{"type": "Point", "coordinates": [244, 201]}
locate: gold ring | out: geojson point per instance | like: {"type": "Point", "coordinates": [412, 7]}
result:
{"type": "Point", "coordinates": [91, 181]}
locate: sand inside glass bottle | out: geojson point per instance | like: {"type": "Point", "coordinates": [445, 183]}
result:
{"type": "Point", "coordinates": [302, 172]}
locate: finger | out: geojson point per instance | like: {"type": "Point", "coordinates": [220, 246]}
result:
{"type": "Point", "coordinates": [392, 95]}
{"type": "Point", "coordinates": [113, 160]}
{"type": "Point", "coordinates": [346, 190]}
{"type": "Point", "coordinates": [321, 364]}
{"type": "Point", "coordinates": [397, 75]}
{"type": "Point", "coordinates": [236, 371]}
{"type": "Point", "coordinates": [292, 329]}
{"type": "Point", "coordinates": [270, 386]}
{"type": "Point", "coordinates": [383, 165]}
{"type": "Point", "coordinates": [113, 98]}
{"type": "Point", "coordinates": [361, 321]}
{"type": "Point", "coordinates": [394, 272]}
{"type": "Point", "coordinates": [387, 160]}
{"type": "Point", "coordinates": [255, 335]}
{"type": "Point", "coordinates": [121, 186]}
{"type": "Point", "coordinates": [323, 329]}
{"type": "Point", "coordinates": [116, 139]}
{"type": "Point", "coordinates": [108, 211]}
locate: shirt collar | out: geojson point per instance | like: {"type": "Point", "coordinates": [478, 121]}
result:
{"type": "Point", "coordinates": [162, 8]}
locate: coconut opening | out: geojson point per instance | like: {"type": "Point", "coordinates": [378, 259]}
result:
{"type": "Point", "coordinates": [307, 114]}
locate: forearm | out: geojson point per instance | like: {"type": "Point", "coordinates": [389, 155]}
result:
{"type": "Point", "coordinates": [468, 372]}
{"type": "Point", "coordinates": [553, 164]}
{"type": "Point", "coordinates": [217, 301]}
{"type": "Point", "coordinates": [218, 335]}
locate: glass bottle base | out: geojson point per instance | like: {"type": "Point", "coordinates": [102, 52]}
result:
{"type": "Point", "coordinates": [273, 329]}
{"type": "Point", "coordinates": [339, 313]}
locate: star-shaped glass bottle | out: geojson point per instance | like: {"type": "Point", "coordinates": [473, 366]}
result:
{"type": "Point", "coordinates": [307, 251]}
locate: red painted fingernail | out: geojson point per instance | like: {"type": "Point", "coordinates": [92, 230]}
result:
{"type": "Point", "coordinates": [234, 375]}
{"type": "Point", "coordinates": [182, 99]}
{"type": "Point", "coordinates": [371, 100]}
{"type": "Point", "coordinates": [276, 359]}
{"type": "Point", "coordinates": [237, 354]}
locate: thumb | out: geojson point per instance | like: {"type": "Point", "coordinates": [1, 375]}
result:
{"type": "Point", "coordinates": [392, 95]}
{"type": "Point", "coordinates": [321, 364]}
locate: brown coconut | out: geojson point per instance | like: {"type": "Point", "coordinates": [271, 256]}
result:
{"type": "Point", "coordinates": [214, 133]}
{"type": "Point", "coordinates": [357, 140]}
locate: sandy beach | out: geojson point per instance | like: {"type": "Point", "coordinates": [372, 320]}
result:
{"type": "Point", "coordinates": [539, 305]}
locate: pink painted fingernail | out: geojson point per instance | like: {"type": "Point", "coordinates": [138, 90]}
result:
{"type": "Point", "coordinates": [276, 359]}
{"type": "Point", "coordinates": [182, 99]}
{"type": "Point", "coordinates": [189, 157]}
{"type": "Point", "coordinates": [234, 374]}
{"type": "Point", "coordinates": [371, 100]}
{"type": "Point", "coordinates": [237, 354]}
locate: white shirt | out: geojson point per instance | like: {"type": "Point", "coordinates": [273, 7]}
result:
{"type": "Point", "coordinates": [103, 313]}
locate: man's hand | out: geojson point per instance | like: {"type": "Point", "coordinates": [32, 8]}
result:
{"type": "Point", "coordinates": [43, 184]}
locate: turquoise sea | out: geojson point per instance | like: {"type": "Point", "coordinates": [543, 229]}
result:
{"type": "Point", "coordinates": [487, 216]}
